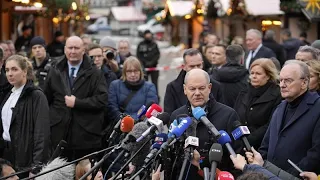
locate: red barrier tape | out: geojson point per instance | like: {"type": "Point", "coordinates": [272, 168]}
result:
{"type": "Point", "coordinates": [163, 68]}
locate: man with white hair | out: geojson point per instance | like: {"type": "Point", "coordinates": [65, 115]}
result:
{"type": "Point", "coordinates": [293, 132]}
{"type": "Point", "coordinates": [255, 48]}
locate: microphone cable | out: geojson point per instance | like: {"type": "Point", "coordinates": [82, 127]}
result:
{"type": "Point", "coordinates": [72, 162]}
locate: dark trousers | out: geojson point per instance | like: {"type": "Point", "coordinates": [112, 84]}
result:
{"type": "Point", "coordinates": [154, 78]}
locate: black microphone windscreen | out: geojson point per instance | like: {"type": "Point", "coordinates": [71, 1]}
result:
{"type": "Point", "coordinates": [130, 140]}
{"type": "Point", "coordinates": [164, 117]}
{"type": "Point", "coordinates": [215, 153]}
{"type": "Point", "coordinates": [133, 147]}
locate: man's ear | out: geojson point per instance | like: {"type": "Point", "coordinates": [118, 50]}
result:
{"type": "Point", "coordinates": [210, 86]}
{"type": "Point", "coordinates": [305, 84]}
{"type": "Point", "coordinates": [184, 89]}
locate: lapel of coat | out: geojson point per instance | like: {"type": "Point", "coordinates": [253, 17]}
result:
{"type": "Point", "coordinates": [258, 54]}
{"type": "Point", "coordinates": [65, 81]}
{"type": "Point", "coordinates": [279, 117]}
{"type": "Point", "coordinates": [84, 71]}
{"type": "Point", "coordinates": [178, 88]}
{"type": "Point", "coordinates": [302, 108]}
{"type": "Point", "coordinates": [79, 80]}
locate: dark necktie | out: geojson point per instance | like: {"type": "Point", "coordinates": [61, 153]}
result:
{"type": "Point", "coordinates": [71, 78]}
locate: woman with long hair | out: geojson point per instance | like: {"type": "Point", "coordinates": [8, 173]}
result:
{"type": "Point", "coordinates": [25, 126]}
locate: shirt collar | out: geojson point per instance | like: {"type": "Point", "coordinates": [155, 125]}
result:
{"type": "Point", "coordinates": [76, 66]}
{"type": "Point", "coordinates": [204, 107]}
{"type": "Point", "coordinates": [19, 90]}
{"type": "Point", "coordinates": [257, 49]}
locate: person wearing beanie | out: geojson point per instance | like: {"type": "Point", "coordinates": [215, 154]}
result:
{"type": "Point", "coordinates": [23, 42]}
{"type": "Point", "coordinates": [56, 47]}
{"type": "Point", "coordinates": [40, 60]}
{"type": "Point", "coordinates": [109, 48]}
{"type": "Point", "coordinates": [316, 44]}
{"type": "Point", "coordinates": [149, 54]}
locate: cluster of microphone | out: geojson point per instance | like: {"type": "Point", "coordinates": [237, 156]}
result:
{"type": "Point", "coordinates": [145, 143]}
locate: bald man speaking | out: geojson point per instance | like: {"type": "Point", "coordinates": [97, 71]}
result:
{"type": "Point", "coordinates": [77, 95]}
{"type": "Point", "coordinates": [197, 88]}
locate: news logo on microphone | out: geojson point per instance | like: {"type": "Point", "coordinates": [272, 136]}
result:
{"type": "Point", "coordinates": [191, 141]}
{"type": "Point", "coordinates": [240, 131]}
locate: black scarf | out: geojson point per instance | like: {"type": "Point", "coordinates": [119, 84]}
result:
{"type": "Point", "coordinates": [134, 86]}
{"type": "Point", "coordinates": [255, 93]}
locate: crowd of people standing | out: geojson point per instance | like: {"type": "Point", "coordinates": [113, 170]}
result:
{"type": "Point", "coordinates": [76, 91]}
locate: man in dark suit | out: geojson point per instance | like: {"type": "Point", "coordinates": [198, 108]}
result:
{"type": "Point", "coordinates": [255, 47]}
{"type": "Point", "coordinates": [293, 132]}
{"type": "Point", "coordinates": [174, 96]}
{"type": "Point", "coordinates": [290, 44]}
{"type": "Point", "coordinates": [278, 49]}
{"type": "Point", "coordinates": [77, 96]}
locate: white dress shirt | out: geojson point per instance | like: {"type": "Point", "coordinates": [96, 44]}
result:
{"type": "Point", "coordinates": [6, 113]}
{"type": "Point", "coordinates": [251, 55]}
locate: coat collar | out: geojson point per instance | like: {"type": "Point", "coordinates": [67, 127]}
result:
{"type": "Point", "coordinates": [84, 71]}
{"type": "Point", "coordinates": [43, 63]}
{"type": "Point", "coordinates": [269, 95]}
{"type": "Point", "coordinates": [307, 102]}
{"type": "Point", "coordinates": [62, 64]}
{"type": "Point", "coordinates": [178, 83]}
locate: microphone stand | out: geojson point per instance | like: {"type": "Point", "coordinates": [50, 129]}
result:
{"type": "Point", "coordinates": [187, 156]}
{"type": "Point", "coordinates": [213, 170]}
{"type": "Point", "coordinates": [206, 173]}
{"type": "Point", "coordinates": [72, 162]}
{"type": "Point", "coordinates": [106, 156]}
{"type": "Point", "coordinates": [17, 173]}
{"type": "Point", "coordinates": [115, 160]}
{"type": "Point", "coordinates": [129, 160]}
{"type": "Point", "coordinates": [142, 169]}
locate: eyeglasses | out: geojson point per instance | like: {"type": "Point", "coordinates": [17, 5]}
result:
{"type": "Point", "coordinates": [132, 71]}
{"type": "Point", "coordinates": [96, 56]}
{"type": "Point", "coordinates": [288, 81]}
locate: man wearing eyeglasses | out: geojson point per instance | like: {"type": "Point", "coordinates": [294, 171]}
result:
{"type": "Point", "coordinates": [96, 54]}
{"type": "Point", "coordinates": [294, 130]}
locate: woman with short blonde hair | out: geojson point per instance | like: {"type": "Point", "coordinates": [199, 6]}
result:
{"type": "Point", "coordinates": [255, 104]}
{"type": "Point", "coordinates": [269, 68]}
{"type": "Point", "coordinates": [128, 94]}
{"type": "Point", "coordinates": [135, 63]}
